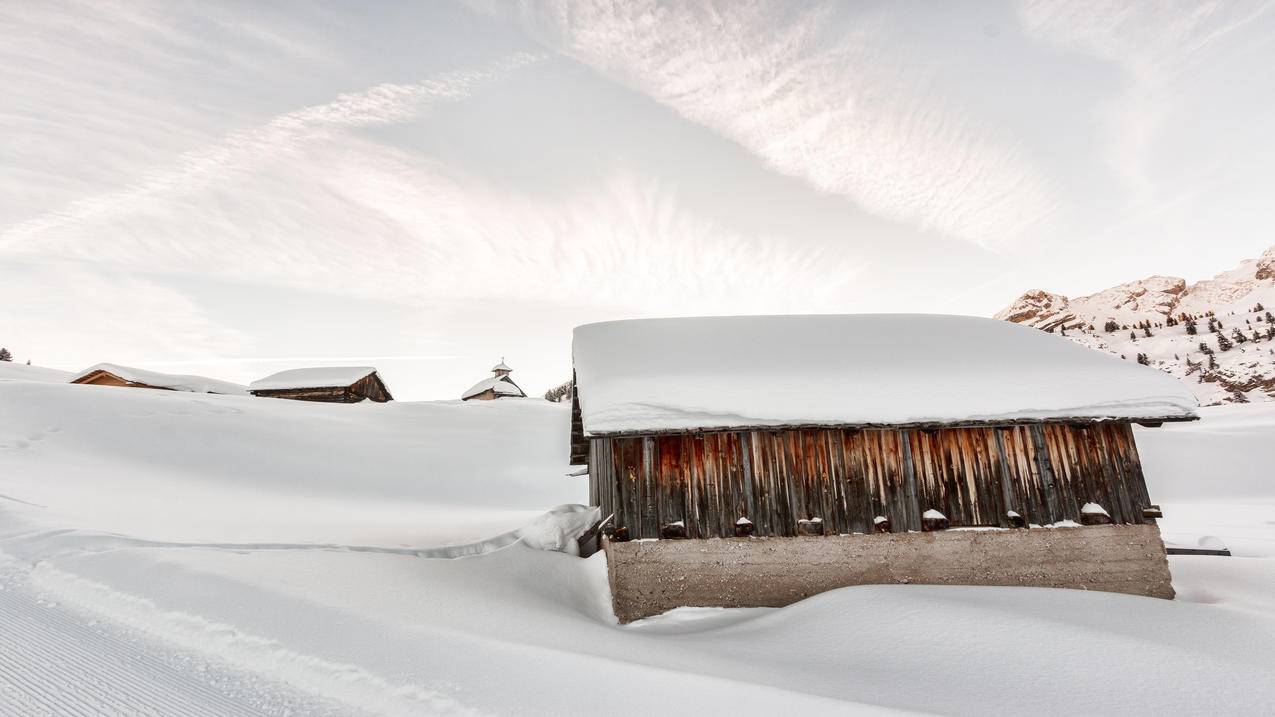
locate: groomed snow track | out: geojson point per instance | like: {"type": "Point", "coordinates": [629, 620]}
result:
{"type": "Point", "coordinates": [56, 662]}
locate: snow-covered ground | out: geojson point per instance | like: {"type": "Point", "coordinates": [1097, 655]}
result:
{"type": "Point", "coordinates": [168, 553]}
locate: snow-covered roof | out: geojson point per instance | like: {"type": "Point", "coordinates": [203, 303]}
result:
{"type": "Point", "coordinates": [652, 375]}
{"type": "Point", "coordinates": [175, 382]}
{"type": "Point", "coordinates": [316, 377]}
{"type": "Point", "coordinates": [501, 367]}
{"type": "Point", "coordinates": [500, 384]}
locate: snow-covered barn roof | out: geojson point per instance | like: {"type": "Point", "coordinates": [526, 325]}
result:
{"type": "Point", "coordinates": [652, 375]}
{"type": "Point", "coordinates": [502, 385]}
{"type": "Point", "coordinates": [501, 367]}
{"type": "Point", "coordinates": [316, 377]}
{"type": "Point", "coordinates": [174, 382]}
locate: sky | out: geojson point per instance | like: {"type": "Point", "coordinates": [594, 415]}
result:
{"type": "Point", "coordinates": [235, 188]}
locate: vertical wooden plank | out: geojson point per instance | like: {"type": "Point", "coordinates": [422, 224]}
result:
{"type": "Point", "coordinates": [909, 475]}
{"type": "Point", "coordinates": [748, 477]}
{"type": "Point", "coordinates": [1049, 489]}
{"type": "Point", "coordinates": [1008, 481]}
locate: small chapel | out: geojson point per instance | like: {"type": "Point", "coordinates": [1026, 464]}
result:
{"type": "Point", "coordinates": [499, 385]}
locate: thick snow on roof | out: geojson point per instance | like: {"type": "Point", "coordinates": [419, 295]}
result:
{"type": "Point", "coordinates": [500, 384]}
{"type": "Point", "coordinates": [316, 377]}
{"type": "Point", "coordinates": [175, 382]}
{"type": "Point", "coordinates": [501, 366]}
{"type": "Point", "coordinates": [883, 369]}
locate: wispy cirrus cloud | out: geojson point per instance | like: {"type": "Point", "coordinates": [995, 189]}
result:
{"type": "Point", "coordinates": [815, 96]}
{"type": "Point", "coordinates": [245, 150]}
{"type": "Point", "coordinates": [1156, 46]}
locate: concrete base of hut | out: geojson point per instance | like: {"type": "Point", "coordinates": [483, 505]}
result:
{"type": "Point", "coordinates": [653, 576]}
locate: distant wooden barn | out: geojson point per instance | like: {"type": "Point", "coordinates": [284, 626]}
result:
{"type": "Point", "coordinates": [328, 384]}
{"type": "Point", "coordinates": [779, 427]}
{"type": "Point", "coordinates": [109, 374]}
{"type": "Point", "coordinates": [499, 385]}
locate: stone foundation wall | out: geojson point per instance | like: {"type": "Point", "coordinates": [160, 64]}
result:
{"type": "Point", "coordinates": [651, 577]}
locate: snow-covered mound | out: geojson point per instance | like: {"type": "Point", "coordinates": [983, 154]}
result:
{"type": "Point", "coordinates": [170, 381]}
{"type": "Point", "coordinates": [878, 369]}
{"type": "Point", "coordinates": [176, 553]}
{"type": "Point", "coordinates": [1118, 320]}
{"type": "Point", "coordinates": [10, 371]}
{"type": "Point", "coordinates": [253, 470]}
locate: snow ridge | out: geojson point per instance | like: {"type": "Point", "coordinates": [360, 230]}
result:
{"type": "Point", "coordinates": [1148, 321]}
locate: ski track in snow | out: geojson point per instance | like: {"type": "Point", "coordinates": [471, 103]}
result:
{"type": "Point", "coordinates": [55, 662]}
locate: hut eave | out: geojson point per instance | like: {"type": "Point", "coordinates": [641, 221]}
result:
{"type": "Point", "coordinates": [917, 425]}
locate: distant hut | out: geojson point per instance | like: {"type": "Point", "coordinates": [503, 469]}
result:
{"type": "Point", "coordinates": [774, 457]}
{"type": "Point", "coordinates": [109, 374]}
{"type": "Point", "coordinates": [328, 384]}
{"type": "Point", "coordinates": [500, 385]}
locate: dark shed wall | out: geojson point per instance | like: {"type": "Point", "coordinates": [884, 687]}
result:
{"type": "Point", "coordinates": [369, 387]}
{"type": "Point", "coordinates": [847, 477]}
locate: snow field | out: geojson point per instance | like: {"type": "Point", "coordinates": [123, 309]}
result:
{"type": "Point", "coordinates": [312, 558]}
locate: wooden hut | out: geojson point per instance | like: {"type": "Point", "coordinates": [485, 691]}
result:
{"type": "Point", "coordinates": [109, 374]}
{"type": "Point", "coordinates": [499, 385]}
{"type": "Point", "coordinates": [852, 426]}
{"type": "Point", "coordinates": [328, 384]}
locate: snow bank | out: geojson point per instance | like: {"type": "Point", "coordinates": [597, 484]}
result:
{"type": "Point", "coordinates": [316, 377]}
{"type": "Point", "coordinates": [373, 627]}
{"type": "Point", "coordinates": [556, 531]}
{"type": "Point", "coordinates": [559, 529]}
{"type": "Point", "coordinates": [202, 468]}
{"type": "Point", "coordinates": [721, 372]}
{"type": "Point", "coordinates": [11, 371]}
{"type": "Point", "coordinates": [1223, 457]}
{"type": "Point", "coordinates": [171, 381]}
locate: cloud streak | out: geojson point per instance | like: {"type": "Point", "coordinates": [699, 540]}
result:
{"type": "Point", "coordinates": [242, 151]}
{"type": "Point", "coordinates": [815, 97]}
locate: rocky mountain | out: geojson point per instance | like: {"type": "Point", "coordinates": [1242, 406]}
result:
{"type": "Point", "coordinates": [1217, 334]}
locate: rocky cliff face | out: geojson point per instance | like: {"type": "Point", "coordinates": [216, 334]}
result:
{"type": "Point", "coordinates": [1150, 319]}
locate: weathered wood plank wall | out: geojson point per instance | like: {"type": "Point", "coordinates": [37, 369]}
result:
{"type": "Point", "coordinates": [579, 444]}
{"type": "Point", "coordinates": [369, 387]}
{"type": "Point", "coordinates": [846, 478]}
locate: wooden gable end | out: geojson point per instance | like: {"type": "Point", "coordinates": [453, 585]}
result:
{"type": "Point", "coordinates": [579, 444]}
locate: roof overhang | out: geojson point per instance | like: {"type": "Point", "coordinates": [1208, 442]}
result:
{"type": "Point", "coordinates": [1148, 421]}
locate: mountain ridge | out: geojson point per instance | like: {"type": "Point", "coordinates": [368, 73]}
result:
{"type": "Point", "coordinates": [1170, 324]}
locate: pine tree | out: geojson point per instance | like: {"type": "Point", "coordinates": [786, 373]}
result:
{"type": "Point", "coordinates": [1133, 336]}
{"type": "Point", "coordinates": [1257, 336]}
{"type": "Point", "coordinates": [1269, 318]}
{"type": "Point", "coordinates": [5, 355]}
{"type": "Point", "coordinates": [559, 393]}
{"type": "Point", "coordinates": [1147, 330]}
{"type": "Point", "coordinates": [1191, 327]}
{"type": "Point", "coordinates": [1110, 326]}
{"type": "Point", "coordinates": [1238, 336]}
{"type": "Point", "coordinates": [1223, 343]}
